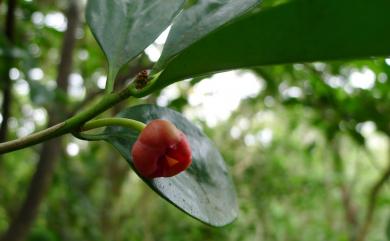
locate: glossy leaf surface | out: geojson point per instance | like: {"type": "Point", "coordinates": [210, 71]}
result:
{"type": "Point", "coordinates": [299, 31]}
{"type": "Point", "coordinates": [205, 190]}
{"type": "Point", "coordinates": [125, 28]}
{"type": "Point", "coordinates": [199, 20]}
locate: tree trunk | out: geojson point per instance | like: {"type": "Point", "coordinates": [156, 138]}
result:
{"type": "Point", "coordinates": [7, 84]}
{"type": "Point", "coordinates": [51, 150]}
{"type": "Point", "coordinates": [371, 205]}
{"type": "Point", "coordinates": [350, 211]}
{"type": "Point", "coordinates": [117, 169]}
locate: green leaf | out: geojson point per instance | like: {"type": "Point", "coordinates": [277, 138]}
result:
{"type": "Point", "coordinates": [199, 20]}
{"type": "Point", "coordinates": [125, 28]}
{"type": "Point", "coordinates": [205, 190]}
{"type": "Point", "coordinates": [299, 31]}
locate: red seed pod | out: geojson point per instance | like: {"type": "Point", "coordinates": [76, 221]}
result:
{"type": "Point", "coordinates": [161, 150]}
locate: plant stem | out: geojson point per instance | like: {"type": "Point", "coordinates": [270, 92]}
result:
{"type": "Point", "coordinates": [104, 122]}
{"type": "Point", "coordinates": [133, 124]}
{"type": "Point", "coordinates": [89, 137]}
{"type": "Point", "coordinates": [67, 126]}
{"type": "Point", "coordinates": [110, 79]}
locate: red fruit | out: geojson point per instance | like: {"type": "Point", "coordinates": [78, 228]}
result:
{"type": "Point", "coordinates": [161, 150]}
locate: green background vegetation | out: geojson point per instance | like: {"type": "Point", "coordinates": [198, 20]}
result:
{"type": "Point", "coordinates": [313, 180]}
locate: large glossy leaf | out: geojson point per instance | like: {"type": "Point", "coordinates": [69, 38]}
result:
{"type": "Point", "coordinates": [124, 28]}
{"type": "Point", "coordinates": [299, 31]}
{"type": "Point", "coordinates": [199, 20]}
{"type": "Point", "coordinates": [205, 190]}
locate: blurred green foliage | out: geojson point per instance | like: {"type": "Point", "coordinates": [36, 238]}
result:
{"type": "Point", "coordinates": [307, 142]}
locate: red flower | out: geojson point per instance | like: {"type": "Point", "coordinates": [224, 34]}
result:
{"type": "Point", "coordinates": [161, 150]}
